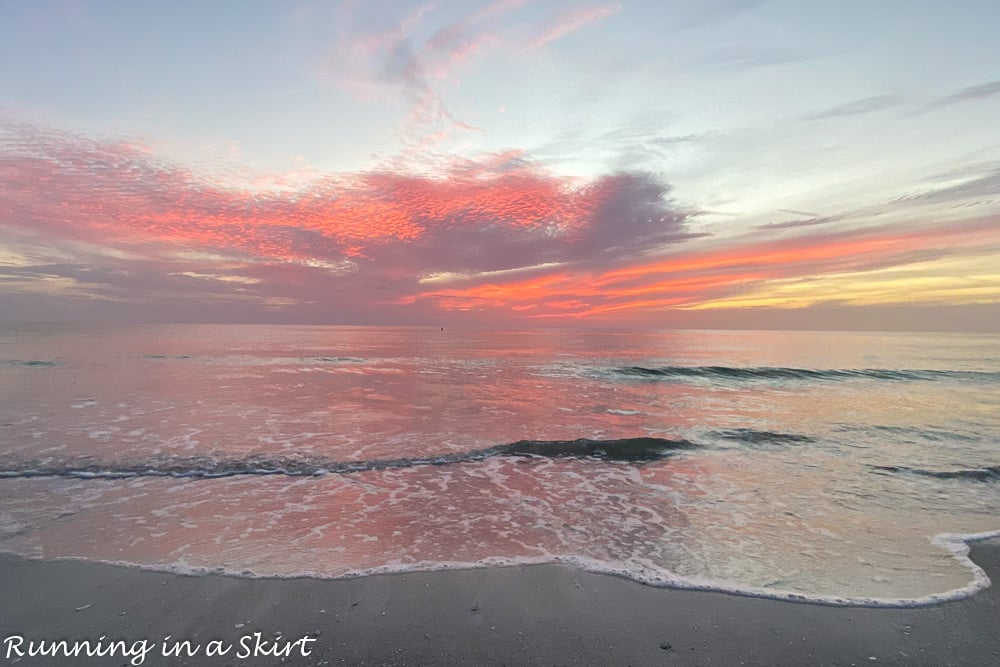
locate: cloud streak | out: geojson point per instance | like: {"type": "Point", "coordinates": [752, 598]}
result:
{"type": "Point", "coordinates": [975, 93]}
{"type": "Point", "coordinates": [860, 107]}
{"type": "Point", "coordinates": [573, 21]}
{"type": "Point", "coordinates": [713, 276]}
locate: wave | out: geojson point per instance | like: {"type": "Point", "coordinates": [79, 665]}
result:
{"type": "Point", "coordinates": [783, 373]}
{"type": "Point", "coordinates": [984, 474]}
{"type": "Point", "coordinates": [931, 433]}
{"type": "Point", "coordinates": [634, 450]}
{"type": "Point", "coordinates": [753, 437]}
{"type": "Point", "coordinates": [32, 363]}
{"type": "Point", "coordinates": [245, 360]}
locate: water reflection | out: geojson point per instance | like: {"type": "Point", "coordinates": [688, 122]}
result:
{"type": "Point", "coordinates": [781, 495]}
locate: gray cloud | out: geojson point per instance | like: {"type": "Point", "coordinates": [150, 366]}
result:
{"type": "Point", "coordinates": [801, 222]}
{"type": "Point", "coordinates": [984, 185]}
{"type": "Point", "coordinates": [622, 215]}
{"type": "Point", "coordinates": [857, 107]}
{"type": "Point", "coordinates": [980, 91]}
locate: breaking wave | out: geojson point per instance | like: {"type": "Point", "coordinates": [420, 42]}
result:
{"type": "Point", "coordinates": [625, 449]}
{"type": "Point", "coordinates": [782, 373]}
{"type": "Point", "coordinates": [249, 360]}
{"type": "Point", "coordinates": [984, 474]}
{"type": "Point", "coordinates": [751, 436]}
{"type": "Point", "coordinates": [31, 363]}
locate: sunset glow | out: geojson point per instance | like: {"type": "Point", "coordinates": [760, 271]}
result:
{"type": "Point", "coordinates": [510, 162]}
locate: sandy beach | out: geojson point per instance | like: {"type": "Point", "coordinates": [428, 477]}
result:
{"type": "Point", "coordinates": [537, 615]}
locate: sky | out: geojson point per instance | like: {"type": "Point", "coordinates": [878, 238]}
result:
{"type": "Point", "coordinates": [514, 163]}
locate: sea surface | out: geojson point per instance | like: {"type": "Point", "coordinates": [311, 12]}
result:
{"type": "Point", "coordinates": [844, 468]}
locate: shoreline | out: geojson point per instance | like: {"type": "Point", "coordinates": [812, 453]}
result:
{"type": "Point", "coordinates": [526, 614]}
{"type": "Point", "coordinates": [959, 545]}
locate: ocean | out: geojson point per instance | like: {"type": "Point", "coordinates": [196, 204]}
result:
{"type": "Point", "coordinates": [842, 468]}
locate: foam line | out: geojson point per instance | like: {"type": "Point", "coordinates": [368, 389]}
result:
{"type": "Point", "coordinates": [955, 543]}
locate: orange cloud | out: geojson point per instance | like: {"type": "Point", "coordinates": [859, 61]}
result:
{"type": "Point", "coordinates": [692, 278]}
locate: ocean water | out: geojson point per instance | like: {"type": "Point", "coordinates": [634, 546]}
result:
{"type": "Point", "coordinates": [834, 467]}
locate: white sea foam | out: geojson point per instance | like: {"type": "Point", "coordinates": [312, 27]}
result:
{"type": "Point", "coordinates": [643, 573]}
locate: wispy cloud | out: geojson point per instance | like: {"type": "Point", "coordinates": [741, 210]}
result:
{"type": "Point", "coordinates": [981, 186]}
{"type": "Point", "coordinates": [366, 58]}
{"type": "Point", "coordinates": [975, 93]}
{"type": "Point", "coordinates": [572, 21]}
{"type": "Point", "coordinates": [423, 62]}
{"type": "Point", "coordinates": [863, 106]}
{"type": "Point", "coordinates": [812, 221]}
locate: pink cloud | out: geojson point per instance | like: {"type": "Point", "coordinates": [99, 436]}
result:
{"type": "Point", "coordinates": [497, 213]}
{"type": "Point", "coordinates": [498, 235]}
{"type": "Point", "coordinates": [397, 57]}
{"type": "Point", "coordinates": [573, 21]}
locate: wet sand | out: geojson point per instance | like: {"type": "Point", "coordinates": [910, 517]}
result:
{"type": "Point", "coordinates": [532, 615]}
